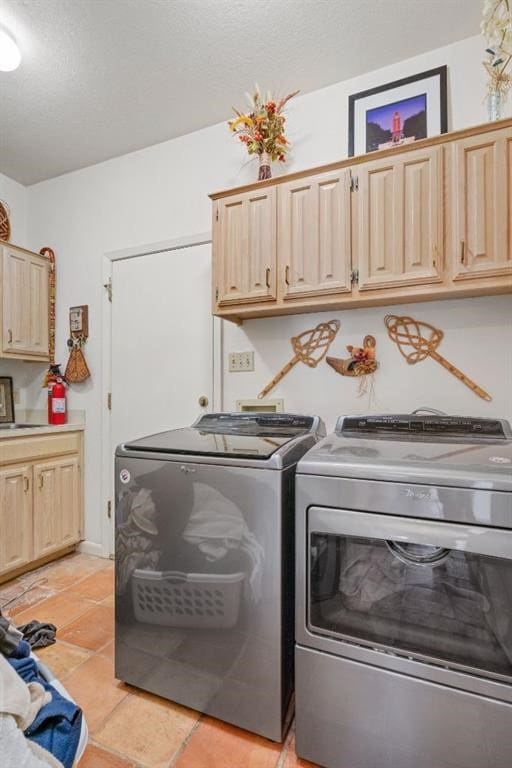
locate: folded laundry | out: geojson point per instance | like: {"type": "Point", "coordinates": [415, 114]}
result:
{"type": "Point", "coordinates": [38, 633]}
{"type": "Point", "coordinates": [57, 725]}
{"type": "Point", "coordinates": [9, 636]}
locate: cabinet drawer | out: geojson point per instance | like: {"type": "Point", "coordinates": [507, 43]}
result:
{"type": "Point", "coordinates": [38, 447]}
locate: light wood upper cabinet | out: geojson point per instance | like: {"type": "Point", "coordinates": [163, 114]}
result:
{"type": "Point", "coordinates": [38, 300]}
{"type": "Point", "coordinates": [15, 517]}
{"type": "Point", "coordinates": [427, 220]}
{"type": "Point", "coordinates": [399, 213]}
{"type": "Point", "coordinates": [15, 300]}
{"type": "Point", "coordinates": [56, 505]}
{"type": "Point", "coordinates": [482, 205]}
{"type": "Point", "coordinates": [245, 247]}
{"type": "Point", "coordinates": [25, 296]}
{"type": "Point", "coordinates": [314, 235]}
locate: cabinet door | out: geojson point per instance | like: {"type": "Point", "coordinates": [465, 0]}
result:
{"type": "Point", "coordinates": [399, 238]}
{"type": "Point", "coordinates": [15, 282]}
{"type": "Point", "coordinates": [15, 517]}
{"type": "Point", "coordinates": [38, 304]}
{"type": "Point", "coordinates": [25, 294]}
{"type": "Point", "coordinates": [69, 484]}
{"type": "Point", "coordinates": [245, 248]}
{"type": "Point", "coordinates": [314, 235]}
{"type": "Point", "coordinates": [56, 505]}
{"type": "Point", "coordinates": [482, 205]}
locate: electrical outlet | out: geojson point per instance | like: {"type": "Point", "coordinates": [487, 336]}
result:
{"type": "Point", "coordinates": [241, 361]}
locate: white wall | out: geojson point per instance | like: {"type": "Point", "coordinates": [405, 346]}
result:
{"type": "Point", "coordinates": [26, 376]}
{"type": "Point", "coordinates": [16, 197]}
{"type": "Point", "coordinates": [477, 331]}
{"type": "Point", "coordinates": [161, 193]}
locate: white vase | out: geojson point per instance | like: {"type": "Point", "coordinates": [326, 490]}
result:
{"type": "Point", "coordinates": [496, 103]}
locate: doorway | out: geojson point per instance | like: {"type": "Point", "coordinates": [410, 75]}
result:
{"type": "Point", "coordinates": [162, 347]}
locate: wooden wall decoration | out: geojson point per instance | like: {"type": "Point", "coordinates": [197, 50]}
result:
{"type": "Point", "coordinates": [310, 347]}
{"type": "Point", "coordinates": [76, 368]}
{"type": "Point", "coordinates": [52, 300]}
{"type": "Point", "coordinates": [424, 340]}
{"type": "Point", "coordinates": [361, 361]}
{"type": "Point", "coordinates": [5, 224]}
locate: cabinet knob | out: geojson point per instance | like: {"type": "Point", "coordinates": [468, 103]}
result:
{"type": "Point", "coordinates": [26, 484]}
{"type": "Point", "coordinates": [267, 277]}
{"type": "Point", "coordinates": [41, 480]}
{"type": "Point", "coordinates": [462, 252]}
{"type": "Point", "coordinates": [287, 275]}
{"type": "Point", "coordinates": [9, 335]}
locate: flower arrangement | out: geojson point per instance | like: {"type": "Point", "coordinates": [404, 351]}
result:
{"type": "Point", "coordinates": [496, 27]}
{"type": "Point", "coordinates": [262, 129]}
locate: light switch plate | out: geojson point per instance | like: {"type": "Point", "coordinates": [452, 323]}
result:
{"type": "Point", "coordinates": [240, 361]}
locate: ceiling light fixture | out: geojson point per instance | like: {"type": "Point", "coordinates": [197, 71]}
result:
{"type": "Point", "coordinates": [10, 55]}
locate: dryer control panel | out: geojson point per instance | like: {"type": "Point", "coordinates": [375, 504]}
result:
{"type": "Point", "coordinates": [428, 425]}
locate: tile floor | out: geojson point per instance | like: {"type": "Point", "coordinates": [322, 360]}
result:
{"type": "Point", "coordinates": [128, 728]}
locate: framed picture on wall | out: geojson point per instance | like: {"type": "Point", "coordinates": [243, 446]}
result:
{"type": "Point", "coordinates": [6, 400]}
{"type": "Point", "coordinates": [398, 113]}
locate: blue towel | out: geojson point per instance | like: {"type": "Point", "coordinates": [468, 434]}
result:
{"type": "Point", "coordinates": [22, 651]}
{"type": "Point", "coordinates": [58, 724]}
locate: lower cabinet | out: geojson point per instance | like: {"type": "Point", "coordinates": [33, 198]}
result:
{"type": "Point", "coordinates": [56, 505]}
{"type": "Point", "coordinates": [40, 499]}
{"type": "Point", "coordinates": [15, 517]}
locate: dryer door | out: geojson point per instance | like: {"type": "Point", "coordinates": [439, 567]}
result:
{"type": "Point", "coordinates": [430, 590]}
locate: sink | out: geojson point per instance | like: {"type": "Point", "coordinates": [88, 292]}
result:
{"type": "Point", "coordinates": [21, 426]}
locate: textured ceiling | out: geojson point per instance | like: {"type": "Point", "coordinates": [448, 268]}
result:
{"type": "Point", "coordinates": [100, 78]}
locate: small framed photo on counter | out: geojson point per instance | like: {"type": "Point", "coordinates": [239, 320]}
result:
{"type": "Point", "coordinates": [398, 113]}
{"type": "Point", "coordinates": [6, 400]}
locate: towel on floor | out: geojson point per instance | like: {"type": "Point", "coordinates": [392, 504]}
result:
{"type": "Point", "coordinates": [22, 700]}
{"type": "Point", "coordinates": [38, 633]}
{"type": "Point", "coordinates": [18, 752]}
{"type": "Point", "coordinates": [22, 651]}
{"type": "Point", "coordinates": [57, 725]}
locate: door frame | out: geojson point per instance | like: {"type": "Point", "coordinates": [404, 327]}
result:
{"type": "Point", "coordinates": [107, 475]}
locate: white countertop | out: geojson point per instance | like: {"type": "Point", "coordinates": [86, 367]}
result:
{"type": "Point", "coordinates": [46, 429]}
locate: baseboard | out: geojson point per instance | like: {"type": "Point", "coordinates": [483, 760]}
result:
{"type": "Point", "coordinates": [90, 548]}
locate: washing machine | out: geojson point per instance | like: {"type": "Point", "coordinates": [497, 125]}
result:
{"type": "Point", "coordinates": [404, 594]}
{"type": "Point", "coordinates": [205, 564]}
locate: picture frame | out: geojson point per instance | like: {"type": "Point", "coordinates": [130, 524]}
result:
{"type": "Point", "coordinates": [398, 113]}
{"type": "Point", "coordinates": [6, 400]}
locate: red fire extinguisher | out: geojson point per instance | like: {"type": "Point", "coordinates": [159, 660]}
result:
{"type": "Point", "coordinates": [57, 409]}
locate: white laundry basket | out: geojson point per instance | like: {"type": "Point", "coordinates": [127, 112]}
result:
{"type": "Point", "coordinates": [175, 599]}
